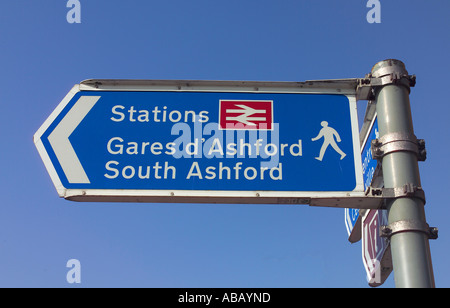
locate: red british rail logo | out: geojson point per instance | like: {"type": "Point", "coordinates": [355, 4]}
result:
{"type": "Point", "coordinates": [246, 114]}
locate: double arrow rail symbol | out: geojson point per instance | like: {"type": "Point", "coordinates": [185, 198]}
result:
{"type": "Point", "coordinates": [246, 113]}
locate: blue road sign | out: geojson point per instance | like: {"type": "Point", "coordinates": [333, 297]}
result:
{"type": "Point", "coordinates": [351, 218]}
{"type": "Point", "coordinates": [369, 165]}
{"type": "Point", "coordinates": [201, 143]}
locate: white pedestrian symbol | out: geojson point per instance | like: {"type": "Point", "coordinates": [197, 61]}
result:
{"type": "Point", "coordinates": [328, 135]}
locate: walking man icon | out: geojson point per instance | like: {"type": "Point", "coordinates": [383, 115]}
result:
{"type": "Point", "coordinates": [328, 135]}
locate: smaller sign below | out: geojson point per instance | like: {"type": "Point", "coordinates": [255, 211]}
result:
{"type": "Point", "coordinates": [376, 252]}
{"type": "Point", "coordinates": [353, 225]}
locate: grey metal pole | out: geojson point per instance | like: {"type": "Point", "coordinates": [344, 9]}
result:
{"type": "Point", "coordinates": [409, 232]}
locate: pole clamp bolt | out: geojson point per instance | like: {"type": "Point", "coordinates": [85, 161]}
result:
{"type": "Point", "coordinates": [406, 191]}
{"type": "Point", "coordinates": [409, 226]}
{"type": "Point", "coordinates": [395, 142]}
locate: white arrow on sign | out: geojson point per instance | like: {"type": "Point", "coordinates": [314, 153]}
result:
{"type": "Point", "coordinates": [59, 139]}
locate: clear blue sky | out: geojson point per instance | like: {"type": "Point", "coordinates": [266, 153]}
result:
{"type": "Point", "coordinates": [202, 245]}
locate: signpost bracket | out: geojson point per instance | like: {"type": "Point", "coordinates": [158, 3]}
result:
{"type": "Point", "coordinates": [406, 191]}
{"type": "Point", "coordinates": [366, 87]}
{"type": "Point", "coordinates": [409, 225]}
{"type": "Point", "coordinates": [395, 142]}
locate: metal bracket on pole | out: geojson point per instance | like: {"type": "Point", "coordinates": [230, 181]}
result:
{"type": "Point", "coordinates": [390, 74]}
{"type": "Point", "coordinates": [406, 191]}
{"type": "Point", "coordinates": [409, 225]}
{"type": "Point", "coordinates": [396, 142]}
